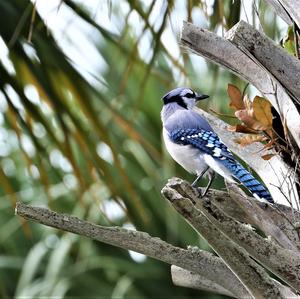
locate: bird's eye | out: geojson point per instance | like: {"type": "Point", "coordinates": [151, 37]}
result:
{"type": "Point", "coordinates": [190, 95]}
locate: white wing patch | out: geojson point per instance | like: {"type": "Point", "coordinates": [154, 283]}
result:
{"type": "Point", "coordinates": [210, 145]}
{"type": "Point", "coordinates": [217, 152]}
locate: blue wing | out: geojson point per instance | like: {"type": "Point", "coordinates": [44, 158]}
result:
{"type": "Point", "coordinates": [209, 143]}
{"type": "Point", "coordinates": [188, 127]}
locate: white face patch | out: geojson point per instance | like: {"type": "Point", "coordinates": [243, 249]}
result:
{"type": "Point", "coordinates": [190, 103]}
{"type": "Point", "coordinates": [187, 93]}
{"type": "Point", "coordinates": [188, 96]}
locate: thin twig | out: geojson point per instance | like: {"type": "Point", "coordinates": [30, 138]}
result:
{"type": "Point", "coordinates": [296, 40]}
{"type": "Point", "coordinates": [222, 114]}
{"type": "Point", "coordinates": [32, 22]}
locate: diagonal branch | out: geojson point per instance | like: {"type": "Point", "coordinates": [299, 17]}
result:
{"type": "Point", "coordinates": [262, 220]}
{"type": "Point", "coordinates": [291, 7]}
{"type": "Point", "coordinates": [280, 11]}
{"type": "Point", "coordinates": [184, 278]}
{"type": "Point", "coordinates": [282, 65]}
{"type": "Point", "coordinates": [188, 279]}
{"type": "Point", "coordinates": [252, 275]}
{"type": "Point", "coordinates": [206, 265]}
{"type": "Point", "coordinates": [282, 262]}
{"type": "Point", "coordinates": [282, 216]}
{"type": "Point", "coordinates": [198, 261]}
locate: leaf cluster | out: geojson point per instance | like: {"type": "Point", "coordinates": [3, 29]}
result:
{"type": "Point", "coordinates": [255, 116]}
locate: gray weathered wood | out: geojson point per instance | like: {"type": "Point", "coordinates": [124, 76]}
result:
{"type": "Point", "coordinates": [262, 219]}
{"type": "Point", "coordinates": [283, 66]}
{"type": "Point", "coordinates": [282, 216]}
{"type": "Point", "coordinates": [292, 8]}
{"type": "Point", "coordinates": [184, 278]}
{"type": "Point", "coordinates": [252, 275]}
{"type": "Point", "coordinates": [282, 262]}
{"type": "Point", "coordinates": [196, 260]}
{"type": "Point", "coordinates": [280, 11]}
{"type": "Point", "coordinates": [188, 279]}
{"type": "Point", "coordinates": [203, 263]}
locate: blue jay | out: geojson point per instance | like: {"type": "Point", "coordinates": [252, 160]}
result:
{"type": "Point", "coordinates": [194, 145]}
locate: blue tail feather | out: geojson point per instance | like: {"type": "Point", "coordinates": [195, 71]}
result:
{"type": "Point", "coordinates": [247, 179]}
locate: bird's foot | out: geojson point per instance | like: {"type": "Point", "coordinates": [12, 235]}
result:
{"type": "Point", "coordinates": [200, 192]}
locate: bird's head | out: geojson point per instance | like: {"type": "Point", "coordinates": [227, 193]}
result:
{"type": "Point", "coordinates": [183, 96]}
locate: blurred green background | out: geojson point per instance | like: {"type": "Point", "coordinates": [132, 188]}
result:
{"type": "Point", "coordinates": [80, 89]}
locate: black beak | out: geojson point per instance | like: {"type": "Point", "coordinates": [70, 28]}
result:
{"type": "Point", "coordinates": [200, 97]}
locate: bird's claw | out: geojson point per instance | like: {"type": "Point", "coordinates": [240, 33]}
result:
{"type": "Point", "coordinates": [200, 192]}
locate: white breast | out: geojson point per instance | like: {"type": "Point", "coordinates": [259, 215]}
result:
{"type": "Point", "coordinates": [185, 155]}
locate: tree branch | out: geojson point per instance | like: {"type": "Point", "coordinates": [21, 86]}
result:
{"type": "Point", "coordinates": [252, 275]}
{"type": "Point", "coordinates": [188, 279]}
{"type": "Point", "coordinates": [283, 66]}
{"type": "Point", "coordinates": [282, 262]}
{"type": "Point", "coordinates": [280, 10]}
{"type": "Point", "coordinates": [292, 9]}
{"type": "Point", "coordinates": [184, 278]}
{"type": "Point", "coordinates": [262, 220]}
{"type": "Point", "coordinates": [282, 216]}
{"type": "Point", "coordinates": [210, 267]}
{"type": "Point", "coordinates": [198, 261]}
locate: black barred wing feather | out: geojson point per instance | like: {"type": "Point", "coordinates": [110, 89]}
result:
{"type": "Point", "coordinates": [209, 143]}
{"type": "Point", "coordinates": [206, 141]}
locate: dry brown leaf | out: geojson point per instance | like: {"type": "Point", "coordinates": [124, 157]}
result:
{"type": "Point", "coordinates": [249, 139]}
{"type": "Point", "coordinates": [246, 117]}
{"type": "Point", "coordinates": [235, 95]}
{"type": "Point", "coordinates": [241, 129]}
{"type": "Point", "coordinates": [267, 156]}
{"type": "Point", "coordinates": [246, 114]}
{"type": "Point", "coordinates": [257, 115]}
{"type": "Point", "coordinates": [262, 113]}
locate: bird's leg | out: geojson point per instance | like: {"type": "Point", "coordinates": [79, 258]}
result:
{"type": "Point", "coordinates": [211, 178]}
{"type": "Point", "coordinates": [199, 176]}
